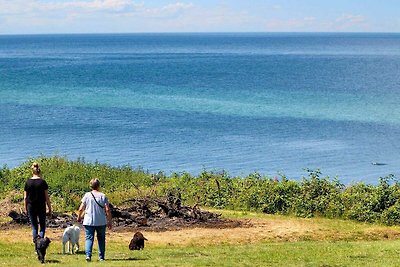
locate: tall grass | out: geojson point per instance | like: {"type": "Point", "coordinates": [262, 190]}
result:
{"type": "Point", "coordinates": [314, 195]}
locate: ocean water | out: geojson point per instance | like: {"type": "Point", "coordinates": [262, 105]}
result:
{"type": "Point", "coordinates": [240, 102]}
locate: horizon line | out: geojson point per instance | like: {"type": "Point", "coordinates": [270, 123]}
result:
{"type": "Point", "coordinates": [205, 32]}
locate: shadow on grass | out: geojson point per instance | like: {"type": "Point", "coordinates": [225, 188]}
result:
{"type": "Point", "coordinates": [115, 259]}
{"type": "Point", "coordinates": [126, 259]}
{"type": "Point", "coordinates": [67, 254]}
{"type": "Point", "coordinates": [52, 261]}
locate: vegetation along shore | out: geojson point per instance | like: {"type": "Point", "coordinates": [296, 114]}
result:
{"type": "Point", "coordinates": [310, 196]}
{"type": "Point", "coordinates": [315, 221]}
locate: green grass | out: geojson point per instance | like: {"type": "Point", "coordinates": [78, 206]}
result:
{"type": "Point", "coordinates": [324, 242]}
{"type": "Point", "coordinates": [305, 253]}
{"type": "Point", "coordinates": [332, 243]}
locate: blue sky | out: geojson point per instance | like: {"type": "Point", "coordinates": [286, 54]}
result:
{"type": "Point", "coordinates": [119, 16]}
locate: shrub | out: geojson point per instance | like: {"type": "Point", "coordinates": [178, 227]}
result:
{"type": "Point", "coordinates": [318, 197]}
{"type": "Point", "coordinates": [314, 195]}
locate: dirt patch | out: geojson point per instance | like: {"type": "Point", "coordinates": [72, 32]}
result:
{"type": "Point", "coordinates": [250, 231]}
{"type": "Point", "coordinates": [144, 214]}
{"type": "Point", "coordinates": [171, 224]}
{"type": "Point", "coordinates": [268, 229]}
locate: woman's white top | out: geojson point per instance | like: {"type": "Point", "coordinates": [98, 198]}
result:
{"type": "Point", "coordinates": [94, 214]}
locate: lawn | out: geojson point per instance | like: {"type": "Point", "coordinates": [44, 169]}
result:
{"type": "Point", "coordinates": [265, 241]}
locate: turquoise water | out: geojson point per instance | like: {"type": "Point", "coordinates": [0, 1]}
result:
{"type": "Point", "coordinates": [272, 103]}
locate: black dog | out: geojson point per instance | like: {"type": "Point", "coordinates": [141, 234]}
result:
{"type": "Point", "coordinates": [41, 244]}
{"type": "Point", "coordinates": [137, 242]}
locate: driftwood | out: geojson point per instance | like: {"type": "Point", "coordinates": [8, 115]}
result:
{"type": "Point", "coordinates": [164, 214]}
{"type": "Point", "coordinates": [20, 218]}
{"type": "Point", "coordinates": [146, 213]}
{"type": "Point", "coordinates": [57, 220]}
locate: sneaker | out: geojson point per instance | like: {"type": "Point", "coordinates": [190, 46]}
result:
{"type": "Point", "coordinates": [88, 259]}
{"type": "Point", "coordinates": [101, 259]}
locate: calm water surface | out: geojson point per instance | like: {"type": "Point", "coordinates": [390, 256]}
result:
{"type": "Point", "coordinates": [271, 103]}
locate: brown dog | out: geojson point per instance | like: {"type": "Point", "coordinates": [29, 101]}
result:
{"type": "Point", "coordinates": [137, 242]}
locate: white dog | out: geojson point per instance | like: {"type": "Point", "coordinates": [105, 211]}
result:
{"type": "Point", "coordinates": [71, 236]}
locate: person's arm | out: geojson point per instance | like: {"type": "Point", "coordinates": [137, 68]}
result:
{"type": "Point", "coordinates": [108, 213]}
{"type": "Point", "coordinates": [48, 203]}
{"type": "Point", "coordinates": [82, 207]}
{"type": "Point", "coordinates": [26, 202]}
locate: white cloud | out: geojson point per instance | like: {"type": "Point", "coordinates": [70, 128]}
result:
{"type": "Point", "coordinates": [16, 7]}
{"type": "Point", "coordinates": [169, 10]}
{"type": "Point", "coordinates": [222, 18]}
{"type": "Point", "coordinates": [38, 16]}
{"type": "Point", "coordinates": [348, 22]}
{"type": "Point", "coordinates": [298, 24]}
{"type": "Point", "coordinates": [34, 7]}
{"type": "Point", "coordinates": [345, 23]}
{"type": "Point", "coordinates": [309, 19]}
{"type": "Point", "coordinates": [347, 18]}
{"type": "Point", "coordinates": [176, 7]}
{"type": "Point", "coordinates": [51, 16]}
{"type": "Point", "coordinates": [96, 5]}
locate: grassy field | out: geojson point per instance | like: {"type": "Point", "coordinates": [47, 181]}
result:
{"type": "Point", "coordinates": [266, 240]}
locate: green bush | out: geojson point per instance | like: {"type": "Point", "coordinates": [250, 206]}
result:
{"type": "Point", "coordinates": [319, 197]}
{"type": "Point", "coordinates": [280, 197]}
{"type": "Point", "coordinates": [313, 195]}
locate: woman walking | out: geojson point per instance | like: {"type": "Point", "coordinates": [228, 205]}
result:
{"type": "Point", "coordinates": [97, 216]}
{"type": "Point", "coordinates": [36, 197]}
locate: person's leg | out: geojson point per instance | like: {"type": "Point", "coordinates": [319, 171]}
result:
{"type": "Point", "coordinates": [34, 221]}
{"type": "Point", "coordinates": [42, 222]}
{"type": "Point", "coordinates": [89, 231]}
{"type": "Point", "coordinates": [101, 239]}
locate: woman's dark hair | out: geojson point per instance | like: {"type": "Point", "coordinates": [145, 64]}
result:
{"type": "Point", "coordinates": [35, 169]}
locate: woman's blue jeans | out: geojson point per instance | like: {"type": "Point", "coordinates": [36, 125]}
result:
{"type": "Point", "coordinates": [34, 214]}
{"type": "Point", "coordinates": [101, 239]}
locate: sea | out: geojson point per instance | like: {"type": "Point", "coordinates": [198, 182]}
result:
{"type": "Point", "coordinates": [276, 104]}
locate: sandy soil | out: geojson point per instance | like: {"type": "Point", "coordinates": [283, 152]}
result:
{"type": "Point", "coordinates": [267, 228]}
{"type": "Point", "coordinates": [253, 231]}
